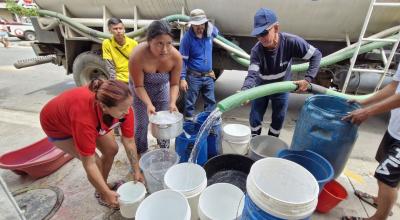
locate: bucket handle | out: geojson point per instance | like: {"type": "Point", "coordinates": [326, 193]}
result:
{"type": "Point", "coordinates": [238, 207]}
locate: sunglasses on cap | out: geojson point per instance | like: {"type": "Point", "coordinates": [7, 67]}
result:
{"type": "Point", "coordinates": [263, 34]}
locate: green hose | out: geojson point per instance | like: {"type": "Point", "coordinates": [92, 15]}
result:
{"type": "Point", "coordinates": [326, 61]}
{"type": "Point", "coordinates": [329, 60]}
{"type": "Point", "coordinates": [79, 26]}
{"type": "Point", "coordinates": [242, 97]}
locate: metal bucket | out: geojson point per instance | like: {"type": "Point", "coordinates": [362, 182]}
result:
{"type": "Point", "coordinates": [166, 124]}
{"type": "Point", "coordinates": [265, 146]}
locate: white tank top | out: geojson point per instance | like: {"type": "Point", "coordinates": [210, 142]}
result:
{"type": "Point", "coordinates": [394, 123]}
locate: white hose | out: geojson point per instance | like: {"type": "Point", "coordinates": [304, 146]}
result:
{"type": "Point", "coordinates": [231, 49]}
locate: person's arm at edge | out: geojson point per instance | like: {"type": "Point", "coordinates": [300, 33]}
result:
{"type": "Point", "coordinates": [380, 95]}
{"type": "Point", "coordinates": [384, 101]}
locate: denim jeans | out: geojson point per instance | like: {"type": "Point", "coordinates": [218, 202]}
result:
{"type": "Point", "coordinates": [203, 85]}
{"type": "Point", "coordinates": [259, 106]}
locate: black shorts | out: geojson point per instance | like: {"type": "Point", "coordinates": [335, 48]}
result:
{"type": "Point", "coordinates": [388, 156]}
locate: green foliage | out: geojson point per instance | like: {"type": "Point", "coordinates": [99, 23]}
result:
{"type": "Point", "coordinates": [13, 7]}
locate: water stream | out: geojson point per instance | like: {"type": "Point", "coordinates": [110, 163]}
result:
{"type": "Point", "coordinates": [205, 128]}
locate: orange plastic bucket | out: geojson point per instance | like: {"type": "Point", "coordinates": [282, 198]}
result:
{"type": "Point", "coordinates": [332, 194]}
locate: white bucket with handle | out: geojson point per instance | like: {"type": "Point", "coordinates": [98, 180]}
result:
{"type": "Point", "coordinates": [235, 139]}
{"type": "Point", "coordinates": [130, 196]}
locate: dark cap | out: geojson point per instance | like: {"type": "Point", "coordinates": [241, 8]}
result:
{"type": "Point", "coordinates": [264, 19]}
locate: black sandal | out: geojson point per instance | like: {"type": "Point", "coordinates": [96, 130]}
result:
{"type": "Point", "coordinates": [103, 203]}
{"type": "Point", "coordinates": [367, 198]}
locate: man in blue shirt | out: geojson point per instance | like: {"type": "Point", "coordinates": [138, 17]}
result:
{"type": "Point", "coordinates": [270, 61]}
{"type": "Point", "coordinates": [197, 74]}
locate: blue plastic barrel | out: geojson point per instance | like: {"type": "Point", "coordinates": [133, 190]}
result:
{"type": "Point", "coordinates": [252, 212]}
{"type": "Point", "coordinates": [318, 166]}
{"type": "Point", "coordinates": [320, 129]}
{"type": "Point", "coordinates": [214, 137]}
{"type": "Point", "coordinates": [184, 143]}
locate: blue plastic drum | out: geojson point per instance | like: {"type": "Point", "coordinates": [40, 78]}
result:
{"type": "Point", "coordinates": [320, 128]}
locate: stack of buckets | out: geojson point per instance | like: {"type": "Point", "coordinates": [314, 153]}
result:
{"type": "Point", "coordinates": [209, 146]}
{"type": "Point", "coordinates": [279, 189]}
{"type": "Point", "coordinates": [190, 180]}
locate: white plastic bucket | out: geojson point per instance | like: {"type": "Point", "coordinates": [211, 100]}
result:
{"type": "Point", "coordinates": [282, 188]}
{"type": "Point", "coordinates": [164, 204]}
{"type": "Point", "coordinates": [222, 201]}
{"type": "Point", "coordinates": [154, 164]}
{"type": "Point", "coordinates": [235, 139]}
{"type": "Point", "coordinates": [189, 179]}
{"type": "Point", "coordinates": [130, 196]}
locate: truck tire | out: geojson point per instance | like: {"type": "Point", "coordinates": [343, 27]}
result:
{"type": "Point", "coordinates": [29, 35]}
{"type": "Point", "coordinates": [88, 66]}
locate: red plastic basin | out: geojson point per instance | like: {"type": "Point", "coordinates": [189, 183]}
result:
{"type": "Point", "coordinates": [37, 160]}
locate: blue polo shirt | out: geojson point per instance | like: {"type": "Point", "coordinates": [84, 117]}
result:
{"type": "Point", "coordinates": [269, 66]}
{"type": "Point", "coordinates": [197, 52]}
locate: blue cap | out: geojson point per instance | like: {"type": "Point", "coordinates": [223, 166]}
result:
{"type": "Point", "coordinates": [263, 20]}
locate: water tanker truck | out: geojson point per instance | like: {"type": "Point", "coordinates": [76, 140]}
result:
{"type": "Point", "coordinates": [70, 32]}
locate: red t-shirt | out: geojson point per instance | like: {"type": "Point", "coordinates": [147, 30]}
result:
{"type": "Point", "coordinates": [76, 113]}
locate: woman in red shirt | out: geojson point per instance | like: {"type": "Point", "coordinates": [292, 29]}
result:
{"type": "Point", "coordinates": [80, 120]}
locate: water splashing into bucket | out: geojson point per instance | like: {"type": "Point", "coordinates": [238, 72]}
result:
{"type": "Point", "coordinates": [212, 119]}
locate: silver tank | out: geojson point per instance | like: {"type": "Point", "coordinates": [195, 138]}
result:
{"type": "Point", "coordinates": [326, 20]}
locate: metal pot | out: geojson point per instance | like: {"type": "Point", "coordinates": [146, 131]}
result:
{"type": "Point", "coordinates": [166, 125]}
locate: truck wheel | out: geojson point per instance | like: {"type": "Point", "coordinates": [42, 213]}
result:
{"type": "Point", "coordinates": [88, 66]}
{"type": "Point", "coordinates": [29, 35]}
